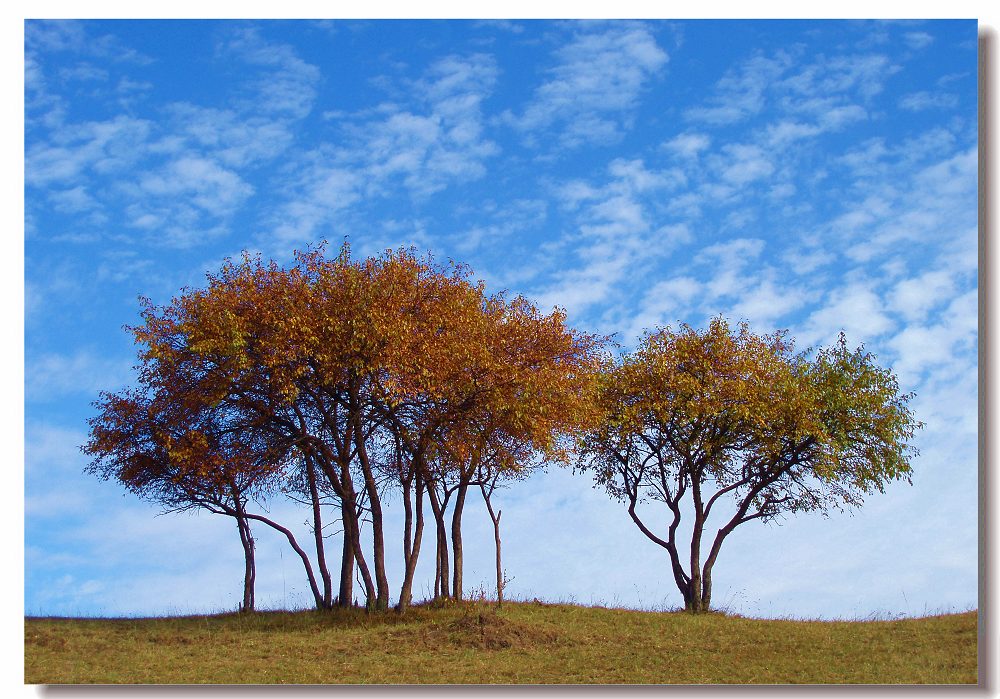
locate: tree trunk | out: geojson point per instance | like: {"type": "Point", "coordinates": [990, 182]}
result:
{"type": "Point", "coordinates": [442, 573]}
{"type": "Point", "coordinates": [324, 571]}
{"type": "Point", "coordinates": [359, 556]}
{"type": "Point", "coordinates": [346, 595]}
{"type": "Point", "coordinates": [496, 538]}
{"type": "Point", "coordinates": [456, 539]}
{"type": "Point", "coordinates": [352, 531]}
{"type": "Point", "coordinates": [694, 601]}
{"type": "Point", "coordinates": [317, 596]}
{"type": "Point", "coordinates": [378, 538]}
{"type": "Point", "coordinates": [412, 547]}
{"type": "Point", "coordinates": [681, 578]}
{"type": "Point", "coordinates": [706, 590]}
{"type": "Point", "coordinates": [695, 604]}
{"type": "Point", "coordinates": [246, 539]}
{"type": "Point", "coordinates": [250, 568]}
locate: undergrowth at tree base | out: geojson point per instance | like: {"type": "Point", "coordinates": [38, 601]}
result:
{"type": "Point", "coordinates": [476, 642]}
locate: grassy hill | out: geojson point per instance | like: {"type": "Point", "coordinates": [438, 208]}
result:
{"type": "Point", "coordinates": [474, 643]}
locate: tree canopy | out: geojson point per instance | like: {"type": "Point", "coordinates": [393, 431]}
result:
{"type": "Point", "coordinates": [339, 378]}
{"type": "Point", "coordinates": [695, 419]}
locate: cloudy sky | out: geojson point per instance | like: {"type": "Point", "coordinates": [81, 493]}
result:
{"type": "Point", "coordinates": [809, 175]}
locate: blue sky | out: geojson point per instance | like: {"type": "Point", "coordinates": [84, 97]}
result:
{"type": "Point", "coordinates": [817, 176]}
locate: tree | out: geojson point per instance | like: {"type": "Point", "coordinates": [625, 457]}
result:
{"type": "Point", "coordinates": [387, 372]}
{"type": "Point", "coordinates": [164, 452]}
{"type": "Point", "coordinates": [694, 418]}
{"type": "Point", "coordinates": [510, 383]}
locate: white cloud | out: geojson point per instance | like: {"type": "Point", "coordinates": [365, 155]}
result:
{"type": "Point", "coordinates": [193, 161]}
{"type": "Point", "coordinates": [103, 147]}
{"type": "Point", "coordinates": [319, 193]}
{"type": "Point", "coordinates": [919, 101]}
{"type": "Point", "coordinates": [203, 182]}
{"type": "Point", "coordinates": [867, 159]}
{"type": "Point", "coordinates": [517, 216]}
{"type": "Point", "coordinates": [288, 85]}
{"type": "Point", "coordinates": [84, 72]}
{"type": "Point", "coordinates": [51, 376]}
{"type": "Point", "coordinates": [595, 85]}
{"type": "Point", "coordinates": [934, 204]}
{"type": "Point", "coordinates": [855, 309]}
{"type": "Point", "coordinates": [435, 143]}
{"type": "Point", "coordinates": [764, 303]}
{"type": "Point", "coordinates": [914, 298]}
{"type": "Point", "coordinates": [838, 117]}
{"type": "Point", "coordinates": [438, 143]}
{"type": "Point", "coordinates": [615, 232]}
{"type": "Point", "coordinates": [687, 145]}
{"type": "Point", "coordinates": [947, 346]}
{"type": "Point", "coordinates": [236, 140]}
{"type": "Point", "coordinates": [784, 132]}
{"type": "Point", "coordinates": [740, 93]}
{"type": "Point", "coordinates": [54, 35]}
{"type": "Point", "coordinates": [741, 164]}
{"type": "Point", "coordinates": [666, 303]}
{"type": "Point", "coordinates": [806, 261]}
{"type": "Point", "coordinates": [919, 348]}
{"type": "Point", "coordinates": [918, 40]}
{"type": "Point", "coordinates": [52, 451]}
{"type": "Point", "coordinates": [727, 262]}
{"type": "Point", "coordinates": [864, 74]}
{"type": "Point", "coordinates": [75, 200]}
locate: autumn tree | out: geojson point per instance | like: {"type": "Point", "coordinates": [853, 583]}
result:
{"type": "Point", "coordinates": [168, 451]}
{"type": "Point", "coordinates": [333, 379]}
{"type": "Point", "coordinates": [497, 384]}
{"type": "Point", "coordinates": [525, 403]}
{"type": "Point", "coordinates": [701, 420]}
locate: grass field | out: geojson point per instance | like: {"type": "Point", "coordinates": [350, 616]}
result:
{"type": "Point", "coordinates": [474, 643]}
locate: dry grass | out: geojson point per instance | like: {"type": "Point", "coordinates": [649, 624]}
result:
{"type": "Point", "coordinates": [474, 643]}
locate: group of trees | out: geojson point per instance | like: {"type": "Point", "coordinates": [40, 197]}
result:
{"type": "Point", "coordinates": [336, 381]}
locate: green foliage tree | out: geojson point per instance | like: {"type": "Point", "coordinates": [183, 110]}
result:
{"type": "Point", "coordinates": [694, 419]}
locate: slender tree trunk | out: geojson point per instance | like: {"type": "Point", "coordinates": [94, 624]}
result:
{"type": "Point", "coordinates": [696, 602]}
{"type": "Point", "coordinates": [412, 547]}
{"type": "Point", "coordinates": [352, 530]}
{"type": "Point", "coordinates": [346, 595]}
{"type": "Point", "coordinates": [681, 578]}
{"type": "Point", "coordinates": [706, 578]}
{"type": "Point", "coordinates": [359, 557]}
{"type": "Point", "coordinates": [378, 537]}
{"type": "Point", "coordinates": [706, 590]}
{"type": "Point", "coordinates": [442, 574]}
{"type": "Point", "coordinates": [437, 572]}
{"type": "Point", "coordinates": [496, 538]}
{"type": "Point", "coordinates": [407, 484]}
{"type": "Point", "coordinates": [721, 535]}
{"type": "Point", "coordinates": [250, 568]}
{"type": "Point", "coordinates": [317, 596]}
{"type": "Point", "coordinates": [324, 571]}
{"type": "Point", "coordinates": [456, 539]}
{"type": "Point", "coordinates": [246, 539]}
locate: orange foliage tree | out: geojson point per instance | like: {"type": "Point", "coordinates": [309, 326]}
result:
{"type": "Point", "coordinates": [693, 419]}
{"type": "Point", "coordinates": [338, 378]}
